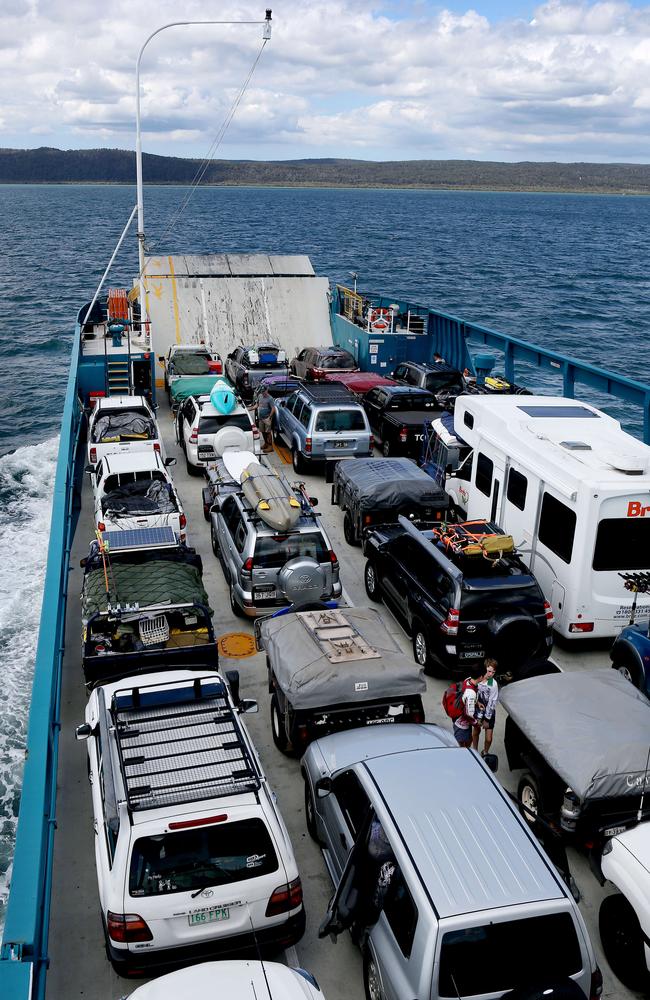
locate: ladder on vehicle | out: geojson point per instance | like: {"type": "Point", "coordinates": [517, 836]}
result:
{"type": "Point", "coordinates": [180, 742]}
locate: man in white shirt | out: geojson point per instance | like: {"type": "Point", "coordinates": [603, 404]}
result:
{"type": "Point", "coordinates": [463, 726]}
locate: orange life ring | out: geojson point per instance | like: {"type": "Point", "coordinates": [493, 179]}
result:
{"type": "Point", "coordinates": [379, 319]}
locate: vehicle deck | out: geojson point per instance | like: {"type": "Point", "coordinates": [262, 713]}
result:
{"type": "Point", "coordinates": [78, 966]}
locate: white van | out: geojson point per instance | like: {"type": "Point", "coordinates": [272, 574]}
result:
{"type": "Point", "coordinates": [570, 486]}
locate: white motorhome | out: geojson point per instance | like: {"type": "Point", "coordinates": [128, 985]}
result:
{"type": "Point", "coordinates": [571, 487]}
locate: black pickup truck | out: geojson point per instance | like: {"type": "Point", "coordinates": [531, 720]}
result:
{"type": "Point", "coordinates": [396, 414]}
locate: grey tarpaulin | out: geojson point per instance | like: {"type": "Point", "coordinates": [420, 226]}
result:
{"type": "Point", "coordinates": [309, 680]}
{"type": "Point", "coordinates": [592, 728]}
{"type": "Point", "coordinates": [387, 483]}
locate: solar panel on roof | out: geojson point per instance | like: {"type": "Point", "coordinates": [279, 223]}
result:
{"type": "Point", "coordinates": [558, 411]}
{"type": "Point", "coordinates": [139, 538]}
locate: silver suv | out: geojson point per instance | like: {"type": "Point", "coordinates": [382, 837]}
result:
{"type": "Point", "coordinates": [262, 565]}
{"type": "Point", "coordinates": [323, 421]}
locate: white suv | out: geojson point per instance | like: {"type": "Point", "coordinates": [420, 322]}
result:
{"type": "Point", "coordinates": [136, 491]}
{"type": "Point", "coordinates": [204, 434]}
{"type": "Point", "coordinates": [122, 425]}
{"type": "Point", "coordinates": [193, 858]}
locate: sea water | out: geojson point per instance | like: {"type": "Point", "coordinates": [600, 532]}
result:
{"type": "Point", "coordinates": [566, 271]}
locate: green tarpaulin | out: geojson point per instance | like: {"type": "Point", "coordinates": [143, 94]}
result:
{"type": "Point", "coordinates": [158, 582]}
{"type": "Point", "coordinates": [192, 385]}
{"type": "Point", "coordinates": [190, 364]}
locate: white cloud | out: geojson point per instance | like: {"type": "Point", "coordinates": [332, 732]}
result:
{"type": "Point", "coordinates": [337, 79]}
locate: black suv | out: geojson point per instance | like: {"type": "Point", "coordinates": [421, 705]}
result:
{"type": "Point", "coordinates": [247, 366]}
{"type": "Point", "coordinates": [441, 379]}
{"type": "Point", "coordinates": [458, 607]}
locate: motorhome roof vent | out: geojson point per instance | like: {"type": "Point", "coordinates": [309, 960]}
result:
{"type": "Point", "coordinates": [576, 445]}
{"type": "Point", "coordinates": [630, 462]}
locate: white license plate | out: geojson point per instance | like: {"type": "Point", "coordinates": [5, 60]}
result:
{"type": "Point", "coordinates": [474, 655]}
{"type": "Point", "coordinates": [613, 831]}
{"type": "Point", "coordinates": [379, 722]}
{"type": "Point", "coordinates": [265, 592]}
{"type": "Point", "coordinates": [209, 916]}
{"type": "Point", "coordinates": [339, 444]}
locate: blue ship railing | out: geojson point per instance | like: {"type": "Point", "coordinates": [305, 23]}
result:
{"type": "Point", "coordinates": [23, 955]}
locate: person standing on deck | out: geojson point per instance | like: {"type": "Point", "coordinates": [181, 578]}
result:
{"type": "Point", "coordinates": [265, 413]}
{"type": "Point", "coordinates": [464, 725]}
{"type": "Point", "coordinates": [488, 696]}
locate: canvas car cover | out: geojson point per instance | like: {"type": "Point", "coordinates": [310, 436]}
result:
{"type": "Point", "coordinates": [189, 364]}
{"type": "Point", "coordinates": [592, 728]}
{"type": "Point", "coordinates": [123, 427]}
{"type": "Point", "coordinates": [308, 678]}
{"type": "Point", "coordinates": [385, 483]}
{"type": "Point", "coordinates": [159, 581]}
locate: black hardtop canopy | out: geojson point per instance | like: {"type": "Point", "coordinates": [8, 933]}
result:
{"type": "Point", "coordinates": [388, 483]}
{"type": "Point", "coordinates": [592, 728]}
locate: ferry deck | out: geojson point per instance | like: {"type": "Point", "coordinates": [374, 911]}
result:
{"type": "Point", "coordinates": [78, 964]}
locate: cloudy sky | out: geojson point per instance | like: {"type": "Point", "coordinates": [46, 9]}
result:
{"type": "Point", "coordinates": [500, 80]}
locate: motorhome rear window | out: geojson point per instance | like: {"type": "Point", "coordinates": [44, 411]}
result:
{"type": "Point", "coordinates": [495, 957]}
{"type": "Point", "coordinates": [622, 544]}
{"type": "Point", "coordinates": [340, 420]}
{"type": "Point", "coordinates": [205, 856]}
{"type": "Point", "coordinates": [557, 527]}
{"type": "Point", "coordinates": [210, 425]}
{"type": "Point", "coordinates": [273, 551]}
{"type": "Point", "coordinates": [559, 411]}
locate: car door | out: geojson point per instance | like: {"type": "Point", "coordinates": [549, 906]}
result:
{"type": "Point", "coordinates": [344, 811]}
{"type": "Point", "coordinates": [395, 581]}
{"type": "Point", "coordinates": [299, 363]}
{"type": "Point", "coordinates": [228, 523]}
{"type": "Point", "coordinates": [373, 404]}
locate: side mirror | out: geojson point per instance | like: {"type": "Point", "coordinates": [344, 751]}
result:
{"type": "Point", "coordinates": [232, 676]}
{"type": "Point", "coordinates": [161, 357]}
{"type": "Point", "coordinates": [170, 461]}
{"type": "Point", "coordinates": [248, 706]}
{"type": "Point", "coordinates": [89, 469]}
{"type": "Point", "coordinates": [83, 731]}
{"type": "Point", "coordinates": [492, 761]}
{"type": "Point", "coordinates": [313, 501]}
{"type": "Point", "coordinates": [323, 787]}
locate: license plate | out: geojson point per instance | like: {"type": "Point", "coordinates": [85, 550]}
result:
{"type": "Point", "coordinates": [266, 591]}
{"type": "Point", "coordinates": [380, 722]}
{"type": "Point", "coordinates": [613, 831]}
{"type": "Point", "coordinates": [472, 655]}
{"type": "Point", "coordinates": [339, 444]}
{"type": "Point", "coordinates": [209, 916]}
{"type": "Point", "coordinates": [206, 453]}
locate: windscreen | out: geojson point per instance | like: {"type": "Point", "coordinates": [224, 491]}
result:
{"type": "Point", "coordinates": [273, 551]}
{"type": "Point", "coordinates": [436, 381]}
{"type": "Point", "coordinates": [499, 956]}
{"type": "Point", "coordinates": [207, 856]}
{"type": "Point", "coordinates": [340, 420]}
{"type": "Point", "coordinates": [344, 361]}
{"type": "Point", "coordinates": [210, 425]}
{"type": "Point", "coordinates": [622, 544]}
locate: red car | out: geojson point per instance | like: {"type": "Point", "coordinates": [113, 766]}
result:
{"type": "Point", "coordinates": [358, 382]}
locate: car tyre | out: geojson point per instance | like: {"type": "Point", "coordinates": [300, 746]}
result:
{"type": "Point", "coordinates": [371, 980]}
{"type": "Point", "coordinates": [278, 731]}
{"type": "Point", "coordinates": [234, 607]}
{"type": "Point", "coordinates": [386, 449]}
{"type": "Point", "coordinates": [192, 469]}
{"type": "Point", "coordinates": [631, 672]}
{"type": "Point", "coordinates": [622, 940]}
{"type": "Point", "coordinates": [529, 795]}
{"type": "Point", "coordinates": [297, 461]}
{"type": "Point", "coordinates": [371, 582]}
{"type": "Point", "coordinates": [214, 541]}
{"type": "Point", "coordinates": [348, 530]}
{"type": "Point", "coordinates": [310, 812]}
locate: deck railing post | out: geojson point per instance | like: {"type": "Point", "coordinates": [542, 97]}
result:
{"type": "Point", "coordinates": [568, 380]}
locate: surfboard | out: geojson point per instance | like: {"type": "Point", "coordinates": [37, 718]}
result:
{"type": "Point", "coordinates": [222, 396]}
{"type": "Point", "coordinates": [270, 497]}
{"type": "Point", "coordinates": [236, 461]}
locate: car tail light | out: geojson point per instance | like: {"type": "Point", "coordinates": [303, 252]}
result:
{"type": "Point", "coordinates": [334, 561]}
{"type": "Point", "coordinates": [183, 520]}
{"type": "Point", "coordinates": [301, 735]}
{"type": "Point", "coordinates": [101, 526]}
{"type": "Point", "coordinates": [94, 396]}
{"type": "Point", "coordinates": [285, 898]}
{"type": "Point", "coordinates": [581, 627]}
{"type": "Point", "coordinates": [248, 565]}
{"type": "Point", "coordinates": [194, 436]}
{"type": "Point", "coordinates": [126, 927]}
{"type": "Point", "coordinates": [596, 988]}
{"type": "Point", "coordinates": [548, 611]}
{"type": "Point", "coordinates": [367, 518]}
{"type": "Point", "coordinates": [308, 445]}
{"type": "Point", "coordinates": [156, 446]}
{"type": "Point", "coordinates": [403, 434]}
{"type": "Point", "coordinates": [93, 456]}
{"type": "Point", "coordinates": [417, 715]}
{"type": "Point", "coordinates": [186, 824]}
{"type": "Point", "coordinates": [315, 372]}
{"type": "Point", "coordinates": [451, 622]}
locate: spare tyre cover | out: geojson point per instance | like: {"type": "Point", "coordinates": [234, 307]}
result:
{"type": "Point", "coordinates": [228, 438]}
{"type": "Point", "coordinates": [512, 639]}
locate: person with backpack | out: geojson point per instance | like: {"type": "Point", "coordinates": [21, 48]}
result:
{"type": "Point", "coordinates": [488, 696]}
{"type": "Point", "coordinates": [460, 702]}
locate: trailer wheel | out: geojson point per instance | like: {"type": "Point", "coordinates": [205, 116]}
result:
{"type": "Point", "coordinates": [348, 529]}
{"type": "Point", "coordinates": [622, 940]}
{"type": "Point", "coordinates": [371, 582]}
{"type": "Point", "coordinates": [386, 449]}
{"type": "Point", "coordinates": [530, 798]}
{"type": "Point", "coordinates": [278, 730]}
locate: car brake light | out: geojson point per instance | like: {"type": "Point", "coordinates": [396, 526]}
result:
{"type": "Point", "coordinates": [334, 561]}
{"type": "Point", "coordinates": [93, 456]}
{"type": "Point", "coordinates": [417, 715]}
{"type": "Point", "coordinates": [194, 436]}
{"type": "Point", "coordinates": [308, 445]}
{"type": "Point", "coordinates": [581, 627]}
{"type": "Point", "coordinates": [451, 622]}
{"type": "Point", "coordinates": [125, 927]}
{"type": "Point", "coordinates": [183, 520]}
{"type": "Point", "coordinates": [156, 446]}
{"type": "Point", "coordinates": [548, 611]}
{"type": "Point", "coordinates": [186, 824]}
{"type": "Point", "coordinates": [367, 518]}
{"type": "Point", "coordinates": [285, 898]}
{"type": "Point", "coordinates": [101, 526]}
{"type": "Point", "coordinates": [596, 988]}
{"type": "Point", "coordinates": [248, 565]}
{"type": "Point", "coordinates": [403, 434]}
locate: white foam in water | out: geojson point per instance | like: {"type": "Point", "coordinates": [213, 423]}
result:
{"type": "Point", "coordinates": [26, 485]}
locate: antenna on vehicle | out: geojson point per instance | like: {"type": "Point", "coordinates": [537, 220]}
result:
{"type": "Point", "coordinates": [259, 954]}
{"type": "Point", "coordinates": [639, 815]}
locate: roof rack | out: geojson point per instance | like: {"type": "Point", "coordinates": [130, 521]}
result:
{"type": "Point", "coordinates": [329, 392]}
{"type": "Point", "coordinates": [178, 742]}
{"type": "Point", "coordinates": [474, 538]}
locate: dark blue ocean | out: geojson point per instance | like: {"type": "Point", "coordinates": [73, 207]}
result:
{"type": "Point", "coordinates": [569, 272]}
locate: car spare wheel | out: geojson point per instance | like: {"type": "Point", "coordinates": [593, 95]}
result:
{"type": "Point", "coordinates": [230, 438]}
{"type": "Point", "coordinates": [302, 581]}
{"type": "Point", "coordinates": [529, 796]}
{"type": "Point", "coordinates": [512, 639]}
{"type": "Point", "coordinates": [348, 530]}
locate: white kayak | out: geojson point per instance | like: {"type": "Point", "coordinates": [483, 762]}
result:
{"type": "Point", "coordinates": [222, 396]}
{"type": "Point", "coordinates": [269, 494]}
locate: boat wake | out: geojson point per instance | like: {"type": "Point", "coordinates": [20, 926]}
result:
{"type": "Point", "coordinates": [26, 484]}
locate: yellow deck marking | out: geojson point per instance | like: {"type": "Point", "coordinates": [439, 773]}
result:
{"type": "Point", "coordinates": [236, 645]}
{"type": "Point", "coordinates": [175, 301]}
{"type": "Point", "coordinates": [284, 453]}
